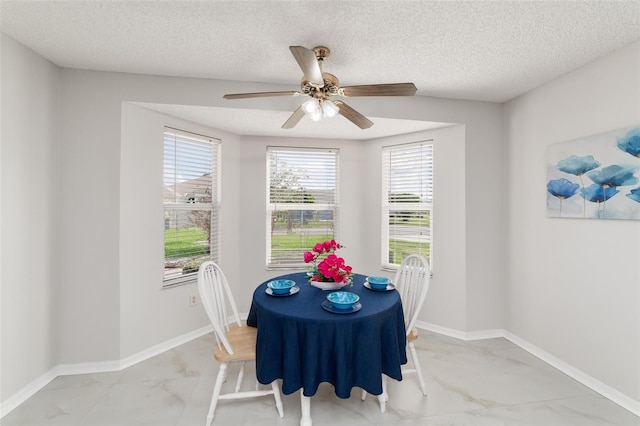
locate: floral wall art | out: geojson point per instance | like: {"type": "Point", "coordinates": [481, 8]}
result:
{"type": "Point", "coordinates": [595, 177]}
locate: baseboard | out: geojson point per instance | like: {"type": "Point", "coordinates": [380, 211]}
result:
{"type": "Point", "coordinates": [461, 335]}
{"type": "Point", "coordinates": [603, 389]}
{"type": "Point", "coordinates": [26, 392]}
{"type": "Point", "coordinates": [596, 385]}
{"type": "Point", "coordinates": [96, 367]}
{"type": "Point", "coordinates": [165, 346]}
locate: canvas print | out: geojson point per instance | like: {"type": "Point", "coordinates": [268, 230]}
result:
{"type": "Point", "coordinates": [595, 177]}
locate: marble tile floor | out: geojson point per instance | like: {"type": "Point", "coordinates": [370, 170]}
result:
{"type": "Point", "coordinates": [479, 383]}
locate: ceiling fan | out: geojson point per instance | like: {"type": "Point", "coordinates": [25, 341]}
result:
{"type": "Point", "coordinates": [321, 86]}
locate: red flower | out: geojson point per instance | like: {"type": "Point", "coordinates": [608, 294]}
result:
{"type": "Point", "coordinates": [309, 257]}
{"type": "Point", "coordinates": [332, 267]}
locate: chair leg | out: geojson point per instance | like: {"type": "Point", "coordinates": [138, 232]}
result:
{"type": "Point", "coordinates": [240, 377]}
{"type": "Point", "coordinates": [226, 375]}
{"type": "Point", "coordinates": [276, 395]}
{"type": "Point", "coordinates": [416, 364]}
{"type": "Point", "coordinates": [222, 374]}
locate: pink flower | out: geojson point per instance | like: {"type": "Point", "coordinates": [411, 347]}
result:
{"type": "Point", "coordinates": [309, 257]}
{"type": "Point", "coordinates": [332, 267]}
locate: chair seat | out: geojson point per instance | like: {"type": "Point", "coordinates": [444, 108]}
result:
{"type": "Point", "coordinates": [243, 342]}
{"type": "Point", "coordinates": [413, 335]}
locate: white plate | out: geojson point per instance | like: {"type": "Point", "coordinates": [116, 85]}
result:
{"type": "Point", "coordinates": [293, 291]}
{"type": "Point", "coordinates": [389, 287]}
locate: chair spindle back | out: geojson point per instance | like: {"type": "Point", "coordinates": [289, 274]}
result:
{"type": "Point", "coordinates": [216, 297]}
{"type": "Point", "coordinates": [412, 281]}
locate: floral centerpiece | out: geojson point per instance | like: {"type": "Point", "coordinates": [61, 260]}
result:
{"type": "Point", "coordinates": [331, 269]}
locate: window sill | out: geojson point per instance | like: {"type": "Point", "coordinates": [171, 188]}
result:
{"type": "Point", "coordinates": [177, 282]}
{"type": "Point", "coordinates": [286, 268]}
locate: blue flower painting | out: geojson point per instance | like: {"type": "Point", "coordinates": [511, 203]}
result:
{"type": "Point", "coordinates": [598, 194]}
{"type": "Point", "coordinates": [634, 194]}
{"type": "Point", "coordinates": [595, 177]}
{"type": "Point", "coordinates": [630, 143]}
{"type": "Point", "coordinates": [578, 165]}
{"type": "Point", "coordinates": [613, 176]}
{"type": "Point", "coordinates": [562, 189]}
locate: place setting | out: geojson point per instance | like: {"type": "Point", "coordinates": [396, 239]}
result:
{"type": "Point", "coordinates": [379, 284]}
{"type": "Point", "coordinates": [342, 302]}
{"type": "Point", "coordinates": [282, 288]}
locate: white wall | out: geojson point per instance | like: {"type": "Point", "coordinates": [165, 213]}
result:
{"type": "Point", "coordinates": [446, 303]}
{"type": "Point", "coordinates": [91, 108]}
{"type": "Point", "coordinates": [108, 302]}
{"type": "Point", "coordinates": [573, 286]}
{"type": "Point", "coordinates": [106, 299]}
{"type": "Point", "coordinates": [30, 191]}
{"type": "Point", "coordinates": [70, 158]}
{"type": "Point", "coordinates": [148, 314]}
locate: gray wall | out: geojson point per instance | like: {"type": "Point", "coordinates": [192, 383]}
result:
{"type": "Point", "coordinates": [573, 286]}
{"type": "Point", "coordinates": [30, 191]}
{"type": "Point", "coordinates": [69, 202]}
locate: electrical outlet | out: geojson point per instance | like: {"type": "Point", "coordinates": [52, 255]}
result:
{"type": "Point", "coordinates": [193, 300]}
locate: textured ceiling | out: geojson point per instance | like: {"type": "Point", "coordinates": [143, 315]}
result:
{"type": "Point", "coordinates": [476, 50]}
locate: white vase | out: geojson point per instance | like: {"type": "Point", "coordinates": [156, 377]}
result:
{"type": "Point", "coordinates": [328, 285]}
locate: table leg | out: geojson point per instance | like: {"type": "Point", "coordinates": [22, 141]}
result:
{"type": "Point", "coordinates": [383, 397]}
{"type": "Point", "coordinates": [305, 406]}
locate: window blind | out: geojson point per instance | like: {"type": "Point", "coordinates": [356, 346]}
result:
{"type": "Point", "coordinates": [191, 202]}
{"type": "Point", "coordinates": [302, 202]}
{"type": "Point", "coordinates": [407, 177]}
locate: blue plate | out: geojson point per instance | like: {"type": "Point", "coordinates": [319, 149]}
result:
{"type": "Point", "coordinates": [388, 288]}
{"type": "Point", "coordinates": [295, 289]}
{"type": "Point", "coordinates": [327, 306]}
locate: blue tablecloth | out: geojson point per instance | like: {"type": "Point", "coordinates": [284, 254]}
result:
{"type": "Point", "coordinates": [304, 345]}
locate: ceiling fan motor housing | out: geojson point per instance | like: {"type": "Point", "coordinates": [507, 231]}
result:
{"type": "Point", "coordinates": [330, 87]}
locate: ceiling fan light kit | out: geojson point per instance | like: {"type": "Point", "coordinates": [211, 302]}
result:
{"type": "Point", "coordinates": [317, 110]}
{"type": "Point", "coordinates": [320, 86]}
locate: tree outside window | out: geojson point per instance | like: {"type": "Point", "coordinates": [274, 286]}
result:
{"type": "Point", "coordinates": [301, 202]}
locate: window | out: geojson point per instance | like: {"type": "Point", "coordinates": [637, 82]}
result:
{"type": "Point", "coordinates": [302, 202]}
{"type": "Point", "coordinates": [407, 202]}
{"type": "Point", "coordinates": [191, 203]}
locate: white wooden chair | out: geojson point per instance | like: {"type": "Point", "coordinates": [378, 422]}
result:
{"type": "Point", "coordinates": [412, 282]}
{"type": "Point", "coordinates": [234, 342]}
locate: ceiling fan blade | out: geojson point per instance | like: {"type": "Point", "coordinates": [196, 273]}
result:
{"type": "Point", "coordinates": [309, 64]}
{"type": "Point", "coordinates": [260, 94]}
{"type": "Point", "coordinates": [294, 119]}
{"type": "Point", "coordinates": [393, 89]}
{"type": "Point", "coordinates": [354, 116]}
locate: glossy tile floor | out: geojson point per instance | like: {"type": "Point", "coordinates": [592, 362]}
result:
{"type": "Point", "coordinates": [486, 382]}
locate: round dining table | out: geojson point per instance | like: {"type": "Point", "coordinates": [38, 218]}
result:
{"type": "Point", "coordinates": [304, 343]}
